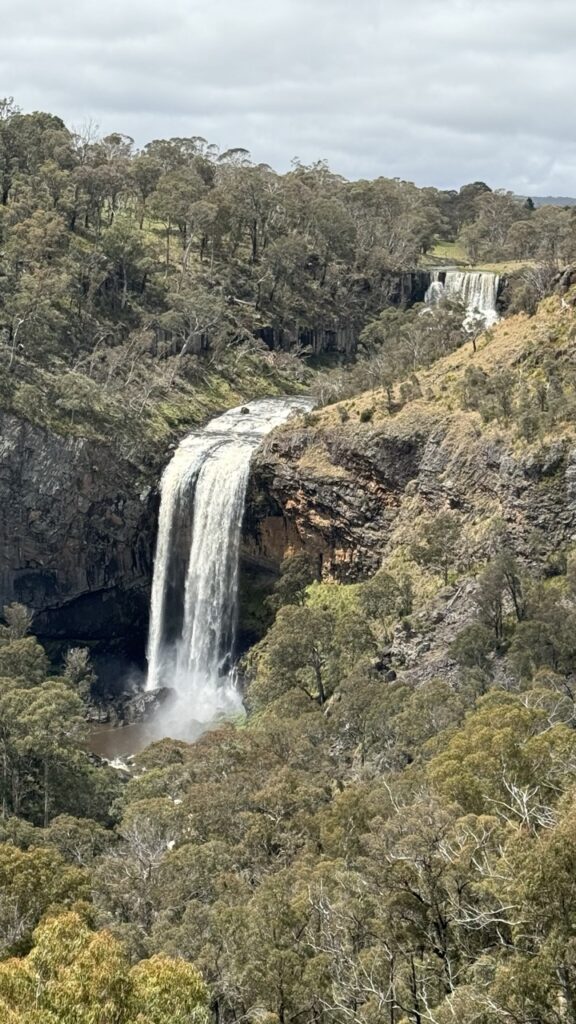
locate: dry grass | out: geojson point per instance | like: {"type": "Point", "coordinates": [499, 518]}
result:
{"type": "Point", "coordinates": [316, 461]}
{"type": "Point", "coordinates": [503, 346]}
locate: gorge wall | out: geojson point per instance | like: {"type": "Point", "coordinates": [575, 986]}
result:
{"type": "Point", "coordinates": [78, 521]}
{"type": "Point", "coordinates": [76, 535]}
{"type": "Point", "coordinates": [342, 492]}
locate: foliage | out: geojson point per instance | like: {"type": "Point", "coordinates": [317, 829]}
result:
{"type": "Point", "coordinates": [44, 769]}
{"type": "Point", "coordinates": [297, 572]}
{"type": "Point", "coordinates": [437, 543]}
{"type": "Point", "coordinates": [32, 882]}
{"type": "Point", "coordinates": [392, 348]}
{"type": "Point", "coordinates": [361, 846]}
{"type": "Point", "coordinates": [76, 976]}
{"type": "Point", "coordinates": [500, 226]}
{"type": "Point", "coordinates": [133, 279]}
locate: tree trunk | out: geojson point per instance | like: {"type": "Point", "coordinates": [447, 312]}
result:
{"type": "Point", "coordinates": [46, 795]}
{"type": "Point", "coordinates": [319, 684]}
{"type": "Point", "coordinates": [168, 230]}
{"type": "Point", "coordinates": [15, 792]}
{"type": "Point", "coordinates": [4, 784]}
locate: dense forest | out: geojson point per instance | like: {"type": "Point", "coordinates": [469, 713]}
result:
{"type": "Point", "coordinates": [367, 846]}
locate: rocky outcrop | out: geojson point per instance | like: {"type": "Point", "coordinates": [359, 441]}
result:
{"type": "Point", "coordinates": [343, 492]}
{"type": "Point", "coordinates": [76, 535]}
{"type": "Point", "coordinates": [336, 495]}
{"type": "Point", "coordinates": [130, 708]}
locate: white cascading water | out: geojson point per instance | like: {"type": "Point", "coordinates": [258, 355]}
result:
{"type": "Point", "coordinates": [477, 290]}
{"type": "Point", "coordinates": [194, 589]}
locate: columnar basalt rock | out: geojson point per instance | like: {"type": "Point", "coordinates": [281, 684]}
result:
{"type": "Point", "coordinates": [336, 497]}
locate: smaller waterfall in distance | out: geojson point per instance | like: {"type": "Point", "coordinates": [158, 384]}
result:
{"type": "Point", "coordinates": [476, 289]}
{"type": "Point", "coordinates": [194, 588]}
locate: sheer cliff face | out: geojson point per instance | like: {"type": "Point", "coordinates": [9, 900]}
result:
{"type": "Point", "coordinates": [76, 534]}
{"type": "Point", "coordinates": [348, 494]}
{"type": "Point", "coordinates": [336, 495]}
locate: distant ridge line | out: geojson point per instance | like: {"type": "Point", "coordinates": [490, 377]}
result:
{"type": "Point", "coordinates": [552, 200]}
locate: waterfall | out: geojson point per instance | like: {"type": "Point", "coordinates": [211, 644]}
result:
{"type": "Point", "coordinates": [477, 290]}
{"type": "Point", "coordinates": [435, 292]}
{"type": "Point", "coordinates": [194, 588]}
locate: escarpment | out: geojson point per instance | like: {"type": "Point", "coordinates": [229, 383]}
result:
{"type": "Point", "coordinates": [350, 494]}
{"type": "Point", "coordinates": [335, 494]}
{"type": "Point", "coordinates": [77, 526]}
{"type": "Point", "coordinates": [76, 534]}
{"type": "Point", "coordinates": [478, 433]}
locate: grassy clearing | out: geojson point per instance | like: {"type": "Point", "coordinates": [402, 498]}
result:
{"type": "Point", "coordinates": [505, 268]}
{"type": "Point", "coordinates": [453, 254]}
{"type": "Point", "coordinates": [448, 252]}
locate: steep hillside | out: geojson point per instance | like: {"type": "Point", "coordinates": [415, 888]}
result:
{"type": "Point", "coordinates": [487, 434]}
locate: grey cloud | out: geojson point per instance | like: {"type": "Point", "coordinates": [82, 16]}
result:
{"type": "Point", "coordinates": [437, 91]}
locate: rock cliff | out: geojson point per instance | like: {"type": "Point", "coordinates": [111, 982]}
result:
{"type": "Point", "coordinates": [346, 494]}
{"type": "Point", "coordinates": [335, 493]}
{"type": "Point", "coordinates": [353, 496]}
{"type": "Point", "coordinates": [76, 534]}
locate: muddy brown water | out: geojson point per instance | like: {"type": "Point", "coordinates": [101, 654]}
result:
{"type": "Point", "coordinates": [121, 741]}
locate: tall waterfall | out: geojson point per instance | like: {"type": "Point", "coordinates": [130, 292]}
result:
{"type": "Point", "coordinates": [477, 290]}
{"type": "Point", "coordinates": [194, 589]}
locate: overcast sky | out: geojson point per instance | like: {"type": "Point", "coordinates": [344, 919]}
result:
{"type": "Point", "coordinates": [437, 91]}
